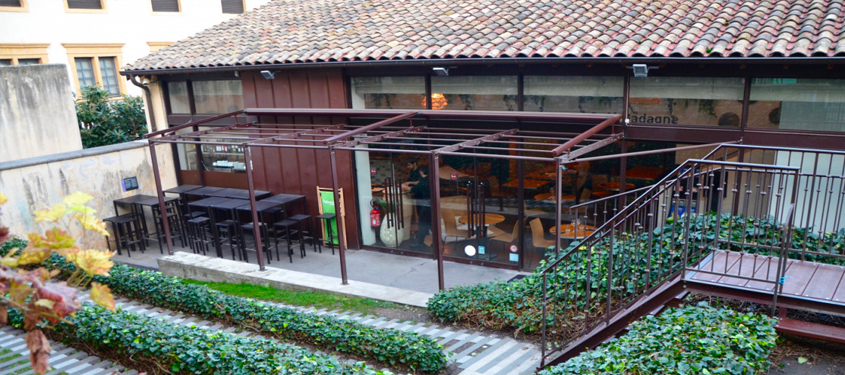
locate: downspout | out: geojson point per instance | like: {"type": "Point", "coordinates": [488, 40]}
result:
{"type": "Point", "coordinates": [149, 97]}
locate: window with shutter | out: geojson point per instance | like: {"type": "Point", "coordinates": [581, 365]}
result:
{"type": "Point", "coordinates": [11, 3]}
{"type": "Point", "coordinates": [165, 5]}
{"type": "Point", "coordinates": [84, 4]}
{"type": "Point", "coordinates": [233, 6]}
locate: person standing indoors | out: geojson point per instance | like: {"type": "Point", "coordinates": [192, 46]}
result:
{"type": "Point", "coordinates": [413, 174]}
{"type": "Point", "coordinates": [421, 192]}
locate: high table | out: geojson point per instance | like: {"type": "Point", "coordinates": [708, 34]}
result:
{"type": "Point", "coordinates": [615, 186]}
{"type": "Point", "coordinates": [224, 204]}
{"type": "Point", "coordinates": [569, 231]}
{"type": "Point", "coordinates": [182, 189]}
{"type": "Point", "coordinates": [486, 220]}
{"type": "Point", "coordinates": [239, 194]}
{"type": "Point", "coordinates": [286, 199]}
{"type": "Point", "coordinates": [202, 192]}
{"type": "Point", "coordinates": [153, 204]}
{"type": "Point", "coordinates": [130, 201]}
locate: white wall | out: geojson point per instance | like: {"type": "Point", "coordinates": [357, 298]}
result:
{"type": "Point", "coordinates": [131, 22]}
{"type": "Point", "coordinates": [37, 116]}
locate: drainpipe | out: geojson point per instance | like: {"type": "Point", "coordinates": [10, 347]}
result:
{"type": "Point", "coordinates": [134, 80]}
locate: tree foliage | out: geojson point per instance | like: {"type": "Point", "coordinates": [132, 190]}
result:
{"type": "Point", "coordinates": [105, 122]}
{"type": "Point", "coordinates": [42, 301]}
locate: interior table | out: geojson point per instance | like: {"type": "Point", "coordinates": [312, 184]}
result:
{"type": "Point", "coordinates": [614, 186]}
{"type": "Point", "coordinates": [573, 231]}
{"type": "Point", "coordinates": [527, 184]}
{"type": "Point", "coordinates": [486, 220]}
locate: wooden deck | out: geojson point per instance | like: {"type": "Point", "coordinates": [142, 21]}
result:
{"type": "Point", "coordinates": [802, 279]}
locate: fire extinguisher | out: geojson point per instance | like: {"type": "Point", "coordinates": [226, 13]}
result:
{"type": "Point", "coordinates": [375, 217]}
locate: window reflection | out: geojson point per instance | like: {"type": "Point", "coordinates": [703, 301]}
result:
{"type": "Point", "coordinates": [388, 93]}
{"type": "Point", "coordinates": [574, 94]}
{"type": "Point", "coordinates": [477, 93]}
{"type": "Point", "coordinates": [686, 100]}
{"type": "Point", "coordinates": [803, 104]}
{"type": "Point", "coordinates": [214, 97]}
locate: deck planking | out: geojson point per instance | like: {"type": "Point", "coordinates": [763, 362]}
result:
{"type": "Point", "coordinates": [801, 279]}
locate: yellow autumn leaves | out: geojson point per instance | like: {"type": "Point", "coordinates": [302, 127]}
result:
{"type": "Point", "coordinates": [74, 203]}
{"type": "Point", "coordinates": [89, 262]}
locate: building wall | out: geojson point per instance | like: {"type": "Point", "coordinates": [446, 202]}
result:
{"type": "Point", "coordinates": [38, 183]}
{"type": "Point", "coordinates": [37, 115]}
{"type": "Point", "coordinates": [130, 23]}
{"type": "Point", "coordinates": [301, 171]}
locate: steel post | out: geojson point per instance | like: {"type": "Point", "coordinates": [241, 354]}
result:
{"type": "Point", "coordinates": [436, 236]}
{"type": "Point", "coordinates": [338, 209]}
{"type": "Point", "coordinates": [160, 193]}
{"type": "Point", "coordinates": [256, 225]}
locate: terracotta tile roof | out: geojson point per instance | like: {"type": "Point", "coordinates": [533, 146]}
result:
{"type": "Point", "coordinates": [295, 31]}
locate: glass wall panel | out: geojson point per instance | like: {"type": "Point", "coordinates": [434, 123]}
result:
{"type": "Point", "coordinates": [214, 97]}
{"type": "Point", "coordinates": [574, 94]}
{"type": "Point", "coordinates": [686, 101]}
{"type": "Point", "coordinates": [178, 95]}
{"type": "Point", "coordinates": [388, 93]}
{"type": "Point", "coordinates": [802, 104]}
{"type": "Point", "coordinates": [481, 93]}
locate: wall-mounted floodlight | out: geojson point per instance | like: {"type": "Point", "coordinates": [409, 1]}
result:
{"type": "Point", "coordinates": [640, 70]}
{"type": "Point", "coordinates": [441, 71]}
{"type": "Point", "coordinates": [268, 74]}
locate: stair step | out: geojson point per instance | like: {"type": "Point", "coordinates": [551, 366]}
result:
{"type": "Point", "coordinates": [812, 330]}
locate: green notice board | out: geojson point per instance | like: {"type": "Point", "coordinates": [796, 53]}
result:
{"type": "Point", "coordinates": [327, 200]}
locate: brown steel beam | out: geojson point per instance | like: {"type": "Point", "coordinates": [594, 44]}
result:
{"type": "Point", "coordinates": [383, 136]}
{"type": "Point", "coordinates": [570, 156]}
{"type": "Point", "coordinates": [338, 209]}
{"type": "Point", "coordinates": [367, 128]}
{"type": "Point", "coordinates": [436, 236]}
{"type": "Point", "coordinates": [475, 141]}
{"type": "Point", "coordinates": [587, 134]}
{"type": "Point", "coordinates": [194, 123]}
{"type": "Point", "coordinates": [256, 224]}
{"type": "Point", "coordinates": [160, 194]}
{"type": "Point", "coordinates": [650, 152]}
{"type": "Point", "coordinates": [431, 114]}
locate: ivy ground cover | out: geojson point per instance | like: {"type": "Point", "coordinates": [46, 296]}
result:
{"type": "Point", "coordinates": [393, 348]}
{"type": "Point", "coordinates": [159, 347]}
{"type": "Point", "coordinates": [690, 340]}
{"type": "Point", "coordinates": [518, 305]}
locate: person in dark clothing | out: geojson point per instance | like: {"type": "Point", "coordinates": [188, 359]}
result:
{"type": "Point", "coordinates": [413, 174]}
{"type": "Point", "coordinates": [421, 192]}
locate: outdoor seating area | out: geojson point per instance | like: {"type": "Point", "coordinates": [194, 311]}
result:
{"type": "Point", "coordinates": [218, 221]}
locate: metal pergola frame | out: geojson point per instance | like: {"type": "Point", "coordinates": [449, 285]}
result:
{"type": "Point", "coordinates": [385, 136]}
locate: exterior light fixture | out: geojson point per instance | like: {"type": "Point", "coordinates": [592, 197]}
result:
{"type": "Point", "coordinates": [641, 70]}
{"type": "Point", "coordinates": [268, 74]}
{"type": "Point", "coordinates": [441, 71]}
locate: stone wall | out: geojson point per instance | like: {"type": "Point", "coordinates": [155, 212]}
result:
{"type": "Point", "coordinates": [37, 114]}
{"type": "Point", "coordinates": [38, 183]}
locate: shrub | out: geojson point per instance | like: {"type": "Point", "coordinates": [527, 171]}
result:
{"type": "Point", "coordinates": [518, 305]}
{"type": "Point", "coordinates": [104, 122]}
{"type": "Point", "coordinates": [161, 347]}
{"type": "Point", "coordinates": [689, 340]}
{"type": "Point", "coordinates": [389, 346]}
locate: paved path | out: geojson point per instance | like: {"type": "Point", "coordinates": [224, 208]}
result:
{"type": "Point", "coordinates": [475, 353]}
{"type": "Point", "coordinates": [63, 359]}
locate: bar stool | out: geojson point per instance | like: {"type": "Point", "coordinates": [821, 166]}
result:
{"type": "Point", "coordinates": [265, 240]}
{"type": "Point", "coordinates": [127, 233]}
{"type": "Point", "coordinates": [227, 233]}
{"type": "Point", "coordinates": [286, 225]}
{"type": "Point", "coordinates": [174, 222]}
{"type": "Point", "coordinates": [326, 219]}
{"type": "Point", "coordinates": [305, 220]}
{"type": "Point", "coordinates": [199, 234]}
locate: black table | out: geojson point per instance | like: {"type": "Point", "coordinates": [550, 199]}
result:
{"type": "Point", "coordinates": [181, 189]}
{"type": "Point", "coordinates": [286, 199]}
{"type": "Point", "coordinates": [153, 203]}
{"type": "Point", "coordinates": [130, 201]}
{"type": "Point", "coordinates": [239, 194]}
{"type": "Point", "coordinates": [224, 204]}
{"type": "Point", "coordinates": [202, 192]}
{"type": "Point", "coordinates": [205, 204]}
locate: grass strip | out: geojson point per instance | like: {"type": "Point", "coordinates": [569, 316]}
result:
{"type": "Point", "coordinates": [317, 300]}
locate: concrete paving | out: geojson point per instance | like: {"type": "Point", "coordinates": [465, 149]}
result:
{"type": "Point", "coordinates": [398, 271]}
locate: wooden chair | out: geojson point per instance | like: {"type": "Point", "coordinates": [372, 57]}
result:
{"type": "Point", "coordinates": [497, 192]}
{"type": "Point", "coordinates": [451, 225]}
{"type": "Point", "coordinates": [539, 241]}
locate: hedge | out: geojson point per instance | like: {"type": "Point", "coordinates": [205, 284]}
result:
{"type": "Point", "coordinates": [518, 305]}
{"type": "Point", "coordinates": [689, 340]}
{"type": "Point", "coordinates": [160, 347]}
{"type": "Point", "coordinates": [389, 346]}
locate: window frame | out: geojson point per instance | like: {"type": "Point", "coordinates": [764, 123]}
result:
{"type": "Point", "coordinates": [103, 8]}
{"type": "Point", "coordinates": [160, 13]}
{"type": "Point", "coordinates": [16, 52]}
{"type": "Point", "coordinates": [23, 8]}
{"type": "Point", "coordinates": [155, 46]}
{"type": "Point", "coordinates": [243, 2]}
{"type": "Point", "coordinates": [95, 51]}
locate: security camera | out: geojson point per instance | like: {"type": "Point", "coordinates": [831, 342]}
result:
{"type": "Point", "coordinates": [441, 71]}
{"type": "Point", "coordinates": [268, 74]}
